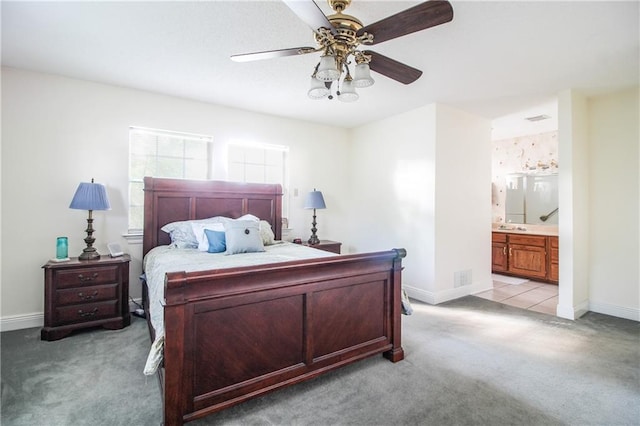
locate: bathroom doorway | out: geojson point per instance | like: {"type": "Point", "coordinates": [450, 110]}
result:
{"type": "Point", "coordinates": [525, 204]}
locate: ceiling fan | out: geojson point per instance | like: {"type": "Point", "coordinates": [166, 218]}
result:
{"type": "Point", "coordinates": [338, 37]}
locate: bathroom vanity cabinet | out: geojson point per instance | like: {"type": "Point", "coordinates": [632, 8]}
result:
{"type": "Point", "coordinates": [524, 255]}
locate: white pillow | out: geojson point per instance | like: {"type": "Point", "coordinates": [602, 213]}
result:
{"type": "Point", "coordinates": [201, 237]}
{"type": "Point", "coordinates": [243, 236]}
{"type": "Point", "coordinates": [268, 237]}
{"type": "Point", "coordinates": [249, 217]}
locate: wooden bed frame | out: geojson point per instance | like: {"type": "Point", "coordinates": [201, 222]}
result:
{"type": "Point", "coordinates": [235, 334]}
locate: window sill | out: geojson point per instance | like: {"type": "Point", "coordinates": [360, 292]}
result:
{"type": "Point", "coordinates": [133, 237]}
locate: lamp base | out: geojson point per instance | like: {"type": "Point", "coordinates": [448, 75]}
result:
{"type": "Point", "coordinates": [89, 254]}
{"type": "Point", "coordinates": [313, 240]}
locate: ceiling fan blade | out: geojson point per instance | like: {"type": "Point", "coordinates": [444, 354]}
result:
{"type": "Point", "coordinates": [420, 17]}
{"type": "Point", "coordinates": [392, 68]}
{"type": "Point", "coordinates": [310, 13]}
{"type": "Point", "coordinates": [270, 54]}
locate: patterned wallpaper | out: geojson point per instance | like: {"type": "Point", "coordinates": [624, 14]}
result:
{"type": "Point", "coordinates": [532, 153]}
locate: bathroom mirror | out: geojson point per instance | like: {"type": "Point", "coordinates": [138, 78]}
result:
{"type": "Point", "coordinates": [531, 198]}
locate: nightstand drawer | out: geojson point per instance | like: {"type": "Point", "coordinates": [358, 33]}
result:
{"type": "Point", "coordinates": [86, 312]}
{"type": "Point", "coordinates": [97, 293]}
{"type": "Point", "coordinates": [87, 276]}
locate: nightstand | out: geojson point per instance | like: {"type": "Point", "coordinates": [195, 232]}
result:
{"type": "Point", "coordinates": [326, 245]}
{"type": "Point", "coordinates": [85, 293]}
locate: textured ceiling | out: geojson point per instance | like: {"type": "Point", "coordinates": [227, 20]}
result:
{"type": "Point", "coordinates": [493, 59]}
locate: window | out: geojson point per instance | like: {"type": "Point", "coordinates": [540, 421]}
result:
{"type": "Point", "coordinates": [168, 154]}
{"type": "Point", "coordinates": [165, 154]}
{"type": "Point", "coordinates": [259, 163]}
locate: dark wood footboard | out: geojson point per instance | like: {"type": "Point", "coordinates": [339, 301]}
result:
{"type": "Point", "coordinates": [235, 334]}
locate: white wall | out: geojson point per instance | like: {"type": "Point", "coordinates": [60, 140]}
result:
{"type": "Point", "coordinates": [599, 204]}
{"type": "Point", "coordinates": [573, 213]}
{"type": "Point", "coordinates": [428, 171]}
{"type": "Point", "coordinates": [57, 132]}
{"type": "Point", "coordinates": [392, 180]}
{"type": "Point", "coordinates": [463, 201]}
{"type": "Point", "coordinates": [614, 243]}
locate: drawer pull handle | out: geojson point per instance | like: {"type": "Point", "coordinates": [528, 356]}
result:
{"type": "Point", "coordinates": [509, 251]}
{"type": "Point", "coordinates": [88, 314]}
{"type": "Point", "coordinates": [504, 250]}
{"type": "Point", "coordinates": [83, 296]}
{"type": "Point", "coordinates": [84, 279]}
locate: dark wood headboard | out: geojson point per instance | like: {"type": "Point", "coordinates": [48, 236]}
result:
{"type": "Point", "coordinates": [171, 200]}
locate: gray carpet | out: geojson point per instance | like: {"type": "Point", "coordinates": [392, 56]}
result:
{"type": "Point", "coordinates": [468, 362]}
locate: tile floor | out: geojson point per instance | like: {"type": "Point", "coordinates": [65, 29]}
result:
{"type": "Point", "coordinates": [530, 295]}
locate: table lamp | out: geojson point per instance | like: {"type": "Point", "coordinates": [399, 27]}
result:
{"type": "Point", "coordinates": [314, 201]}
{"type": "Point", "coordinates": [90, 196]}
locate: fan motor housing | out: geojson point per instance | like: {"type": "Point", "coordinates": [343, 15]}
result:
{"type": "Point", "coordinates": [346, 26]}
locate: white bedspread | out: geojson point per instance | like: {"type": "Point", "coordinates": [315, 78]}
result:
{"type": "Point", "coordinates": [163, 259]}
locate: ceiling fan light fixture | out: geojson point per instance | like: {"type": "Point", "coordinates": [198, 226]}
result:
{"type": "Point", "coordinates": [328, 69]}
{"type": "Point", "coordinates": [338, 36]}
{"type": "Point", "coordinates": [318, 89]}
{"type": "Point", "coordinates": [362, 76]}
{"type": "Point", "coordinates": [348, 92]}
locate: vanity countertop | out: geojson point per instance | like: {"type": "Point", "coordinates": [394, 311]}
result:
{"type": "Point", "coordinates": [546, 230]}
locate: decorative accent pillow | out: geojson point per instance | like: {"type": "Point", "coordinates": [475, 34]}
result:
{"type": "Point", "coordinates": [266, 233]}
{"type": "Point", "coordinates": [181, 232]}
{"type": "Point", "coordinates": [243, 236]}
{"type": "Point", "coordinates": [216, 241]}
{"type": "Point", "coordinates": [199, 232]}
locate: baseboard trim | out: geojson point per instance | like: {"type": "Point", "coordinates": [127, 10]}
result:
{"type": "Point", "coordinates": [434, 298]}
{"type": "Point", "coordinates": [615, 311]}
{"type": "Point", "coordinates": [581, 309]}
{"type": "Point", "coordinates": [567, 312]}
{"type": "Point", "coordinates": [572, 312]}
{"type": "Point", "coordinates": [420, 294]}
{"type": "Point", "coordinates": [18, 322]}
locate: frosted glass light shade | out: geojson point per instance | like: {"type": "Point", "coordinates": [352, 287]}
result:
{"type": "Point", "coordinates": [362, 76]}
{"type": "Point", "coordinates": [348, 92]}
{"type": "Point", "coordinates": [327, 70]}
{"type": "Point", "coordinates": [318, 89]}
